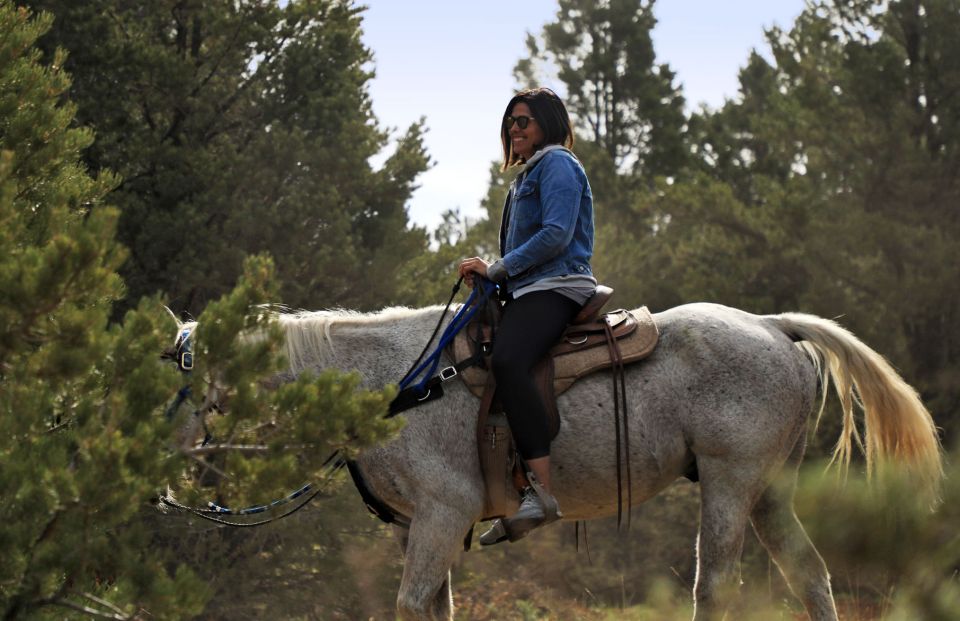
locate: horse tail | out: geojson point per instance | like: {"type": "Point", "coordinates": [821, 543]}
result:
{"type": "Point", "coordinates": [897, 426]}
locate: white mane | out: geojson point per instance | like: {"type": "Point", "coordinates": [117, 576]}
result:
{"type": "Point", "coordinates": [309, 334]}
{"type": "Point", "coordinates": [315, 340]}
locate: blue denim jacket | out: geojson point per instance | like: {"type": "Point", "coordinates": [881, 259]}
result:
{"type": "Point", "coordinates": [547, 225]}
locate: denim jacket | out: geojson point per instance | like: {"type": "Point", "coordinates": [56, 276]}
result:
{"type": "Point", "coordinates": [547, 225]}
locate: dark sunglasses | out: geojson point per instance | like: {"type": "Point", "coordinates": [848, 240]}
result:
{"type": "Point", "coordinates": [522, 121]}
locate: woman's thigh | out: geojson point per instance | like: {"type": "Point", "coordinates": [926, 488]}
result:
{"type": "Point", "coordinates": [531, 325]}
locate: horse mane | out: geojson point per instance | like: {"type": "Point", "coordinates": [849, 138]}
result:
{"type": "Point", "coordinates": [308, 334]}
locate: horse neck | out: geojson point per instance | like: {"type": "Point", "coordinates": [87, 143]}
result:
{"type": "Point", "coordinates": [379, 346]}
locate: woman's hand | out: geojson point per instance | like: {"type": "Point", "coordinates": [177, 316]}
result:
{"type": "Point", "coordinates": [471, 266]}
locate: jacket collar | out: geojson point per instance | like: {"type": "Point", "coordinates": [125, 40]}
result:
{"type": "Point", "coordinates": [536, 157]}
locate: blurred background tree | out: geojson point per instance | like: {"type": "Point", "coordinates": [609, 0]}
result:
{"type": "Point", "coordinates": [240, 128]}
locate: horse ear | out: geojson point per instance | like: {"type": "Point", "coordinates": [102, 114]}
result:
{"type": "Point", "coordinates": [173, 316]}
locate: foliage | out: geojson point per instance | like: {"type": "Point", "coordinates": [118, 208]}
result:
{"type": "Point", "coordinates": [241, 128]}
{"type": "Point", "coordinates": [83, 437]}
{"type": "Point", "coordinates": [78, 397]}
{"type": "Point", "coordinates": [277, 433]}
{"type": "Point", "coordinates": [331, 561]}
{"type": "Point", "coordinates": [603, 54]}
{"type": "Point", "coordinates": [846, 146]}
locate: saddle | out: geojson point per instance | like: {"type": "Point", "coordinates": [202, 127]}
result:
{"type": "Point", "coordinates": [592, 342]}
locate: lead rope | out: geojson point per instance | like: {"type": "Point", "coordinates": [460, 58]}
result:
{"type": "Point", "coordinates": [332, 464]}
{"type": "Point", "coordinates": [206, 513]}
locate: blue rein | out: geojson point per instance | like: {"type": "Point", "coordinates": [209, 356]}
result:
{"type": "Point", "coordinates": [480, 294]}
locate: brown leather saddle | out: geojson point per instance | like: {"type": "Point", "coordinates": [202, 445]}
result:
{"type": "Point", "coordinates": [591, 343]}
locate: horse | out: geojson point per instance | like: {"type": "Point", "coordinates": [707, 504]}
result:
{"type": "Point", "coordinates": [725, 391]}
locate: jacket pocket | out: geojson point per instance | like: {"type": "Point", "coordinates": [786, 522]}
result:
{"type": "Point", "coordinates": [529, 187]}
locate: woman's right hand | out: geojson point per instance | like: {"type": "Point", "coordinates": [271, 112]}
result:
{"type": "Point", "coordinates": [471, 266]}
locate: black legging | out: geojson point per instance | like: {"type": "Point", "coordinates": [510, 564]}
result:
{"type": "Point", "coordinates": [531, 325]}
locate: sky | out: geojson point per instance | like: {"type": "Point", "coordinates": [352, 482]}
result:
{"type": "Point", "coordinates": [452, 62]}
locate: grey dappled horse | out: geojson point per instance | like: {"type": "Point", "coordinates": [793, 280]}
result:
{"type": "Point", "coordinates": [729, 390]}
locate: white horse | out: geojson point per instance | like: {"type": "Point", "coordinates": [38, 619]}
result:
{"type": "Point", "coordinates": [726, 391]}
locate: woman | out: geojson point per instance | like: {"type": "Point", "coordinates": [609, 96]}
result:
{"type": "Point", "coordinates": [546, 242]}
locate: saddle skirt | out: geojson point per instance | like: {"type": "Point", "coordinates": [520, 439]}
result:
{"type": "Point", "coordinates": [581, 350]}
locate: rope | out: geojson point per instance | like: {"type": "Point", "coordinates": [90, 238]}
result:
{"type": "Point", "coordinates": [213, 507]}
{"type": "Point", "coordinates": [332, 463]}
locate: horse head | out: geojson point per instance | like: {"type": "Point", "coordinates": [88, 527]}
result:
{"type": "Point", "coordinates": [192, 431]}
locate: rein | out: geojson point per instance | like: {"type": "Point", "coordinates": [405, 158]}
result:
{"type": "Point", "coordinates": [429, 387]}
{"type": "Point", "coordinates": [214, 509]}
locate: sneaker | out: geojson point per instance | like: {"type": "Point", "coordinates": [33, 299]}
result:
{"type": "Point", "coordinates": [531, 515]}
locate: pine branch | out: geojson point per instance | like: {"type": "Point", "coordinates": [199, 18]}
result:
{"type": "Point", "coordinates": [93, 598]}
{"type": "Point", "coordinates": [242, 448]}
{"type": "Point", "coordinates": [93, 612]}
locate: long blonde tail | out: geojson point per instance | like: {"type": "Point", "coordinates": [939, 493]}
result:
{"type": "Point", "coordinates": [897, 426]}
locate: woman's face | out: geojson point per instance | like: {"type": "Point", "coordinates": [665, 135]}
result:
{"type": "Point", "coordinates": [525, 141]}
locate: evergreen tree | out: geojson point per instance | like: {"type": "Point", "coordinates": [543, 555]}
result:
{"type": "Point", "coordinates": [239, 128]}
{"type": "Point", "coordinates": [625, 101]}
{"type": "Point", "coordinates": [847, 145]}
{"type": "Point", "coordinates": [84, 443]}
{"type": "Point", "coordinates": [76, 435]}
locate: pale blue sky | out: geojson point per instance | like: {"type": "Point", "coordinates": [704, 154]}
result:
{"type": "Point", "coordinates": [452, 62]}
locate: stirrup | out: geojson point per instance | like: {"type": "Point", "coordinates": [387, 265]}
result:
{"type": "Point", "coordinates": [503, 530]}
{"type": "Point", "coordinates": [551, 508]}
{"type": "Point", "coordinates": [495, 534]}
{"type": "Point", "coordinates": [507, 529]}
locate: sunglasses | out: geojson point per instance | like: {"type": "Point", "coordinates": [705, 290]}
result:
{"type": "Point", "coordinates": [522, 121]}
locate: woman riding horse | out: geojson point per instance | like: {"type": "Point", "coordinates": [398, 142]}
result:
{"type": "Point", "coordinates": [546, 242]}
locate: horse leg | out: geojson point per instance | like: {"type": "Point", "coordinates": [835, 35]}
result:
{"type": "Point", "coordinates": [727, 491]}
{"type": "Point", "coordinates": [783, 536]}
{"type": "Point", "coordinates": [431, 547]}
{"type": "Point", "coordinates": [444, 595]}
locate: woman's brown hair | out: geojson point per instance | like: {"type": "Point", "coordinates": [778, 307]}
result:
{"type": "Point", "coordinates": [551, 115]}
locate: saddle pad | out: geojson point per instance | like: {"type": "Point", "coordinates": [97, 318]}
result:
{"type": "Point", "coordinates": [581, 351]}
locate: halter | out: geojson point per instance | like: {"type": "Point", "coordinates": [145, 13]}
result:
{"type": "Point", "coordinates": [184, 355]}
{"type": "Point", "coordinates": [214, 512]}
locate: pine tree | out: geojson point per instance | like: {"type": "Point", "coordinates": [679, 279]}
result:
{"type": "Point", "coordinates": [241, 128]}
{"type": "Point", "coordinates": [625, 101]}
{"type": "Point", "coordinates": [84, 443]}
{"type": "Point", "coordinates": [75, 432]}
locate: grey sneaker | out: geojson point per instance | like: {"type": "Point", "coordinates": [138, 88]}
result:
{"type": "Point", "coordinates": [528, 517]}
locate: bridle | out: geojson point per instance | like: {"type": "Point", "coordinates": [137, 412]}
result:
{"type": "Point", "coordinates": [412, 393]}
